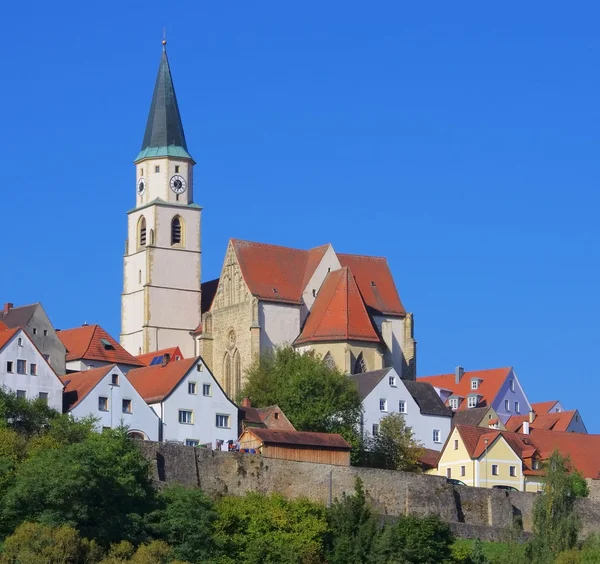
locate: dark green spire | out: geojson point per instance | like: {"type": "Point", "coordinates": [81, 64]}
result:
{"type": "Point", "coordinates": [164, 134]}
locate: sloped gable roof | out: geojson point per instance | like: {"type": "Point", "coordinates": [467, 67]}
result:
{"type": "Point", "coordinates": [300, 438]}
{"type": "Point", "coordinates": [546, 421]}
{"type": "Point", "coordinates": [18, 316]}
{"type": "Point", "coordinates": [79, 384]}
{"type": "Point", "coordinates": [155, 383]}
{"type": "Point", "coordinates": [474, 416]}
{"type": "Point", "coordinates": [338, 313]}
{"type": "Point", "coordinates": [3, 326]}
{"type": "Point", "coordinates": [85, 343]}
{"type": "Point", "coordinates": [490, 384]}
{"type": "Point", "coordinates": [427, 399]}
{"type": "Point", "coordinates": [367, 381]}
{"type": "Point", "coordinates": [543, 406]}
{"type": "Point", "coordinates": [147, 358]}
{"type": "Point", "coordinates": [263, 415]}
{"type": "Point", "coordinates": [6, 335]}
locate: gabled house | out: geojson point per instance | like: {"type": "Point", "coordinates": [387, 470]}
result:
{"type": "Point", "coordinates": [270, 417]}
{"type": "Point", "coordinates": [191, 405]}
{"type": "Point", "coordinates": [552, 406]}
{"type": "Point", "coordinates": [383, 392]}
{"type": "Point", "coordinates": [499, 388]}
{"type": "Point", "coordinates": [478, 417]}
{"type": "Point", "coordinates": [25, 371]}
{"type": "Point", "coordinates": [164, 356]}
{"type": "Point", "coordinates": [34, 321]}
{"type": "Point", "coordinates": [90, 346]}
{"type": "Point", "coordinates": [106, 394]}
{"type": "Point", "coordinates": [564, 421]}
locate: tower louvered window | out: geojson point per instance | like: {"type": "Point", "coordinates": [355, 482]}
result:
{"type": "Point", "coordinates": [360, 365]}
{"type": "Point", "coordinates": [142, 231]}
{"type": "Point", "coordinates": [176, 231]}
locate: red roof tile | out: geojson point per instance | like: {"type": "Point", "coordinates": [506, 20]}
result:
{"type": "Point", "coordinates": [546, 421]}
{"type": "Point", "coordinates": [375, 281]}
{"type": "Point", "coordinates": [339, 313]}
{"type": "Point", "coordinates": [79, 384]}
{"type": "Point", "coordinates": [543, 406]}
{"type": "Point", "coordinates": [86, 343]}
{"type": "Point", "coordinates": [173, 352]}
{"type": "Point", "coordinates": [489, 386]}
{"type": "Point", "coordinates": [300, 438]}
{"type": "Point", "coordinates": [6, 335]}
{"type": "Point", "coordinates": [155, 383]}
{"type": "Point", "coordinates": [270, 417]}
{"type": "Point", "coordinates": [3, 326]}
{"type": "Point", "coordinates": [430, 458]}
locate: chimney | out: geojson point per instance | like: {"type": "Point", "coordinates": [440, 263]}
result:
{"type": "Point", "coordinates": [246, 402]}
{"type": "Point", "coordinates": [526, 427]}
{"type": "Point", "coordinates": [7, 307]}
{"type": "Point", "coordinates": [458, 374]}
{"type": "Point", "coordinates": [166, 359]}
{"type": "Point", "coordinates": [531, 416]}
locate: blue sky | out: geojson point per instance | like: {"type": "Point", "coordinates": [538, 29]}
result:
{"type": "Point", "coordinates": [459, 140]}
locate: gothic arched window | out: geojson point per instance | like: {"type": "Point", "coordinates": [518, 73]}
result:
{"type": "Point", "coordinates": [329, 362]}
{"type": "Point", "coordinates": [176, 231]}
{"type": "Point", "coordinates": [227, 373]}
{"type": "Point", "coordinates": [360, 365]}
{"type": "Point", "coordinates": [142, 231]}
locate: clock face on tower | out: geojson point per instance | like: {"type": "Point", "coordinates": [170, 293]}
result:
{"type": "Point", "coordinates": [178, 184]}
{"type": "Point", "coordinates": [141, 186]}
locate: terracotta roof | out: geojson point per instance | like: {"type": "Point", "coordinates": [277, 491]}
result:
{"type": "Point", "coordinates": [543, 406]}
{"type": "Point", "coordinates": [3, 326]}
{"type": "Point", "coordinates": [79, 384]}
{"type": "Point", "coordinates": [6, 335]}
{"type": "Point", "coordinates": [155, 383]}
{"type": "Point", "coordinates": [375, 281]}
{"type": "Point", "coordinates": [338, 313]}
{"type": "Point", "coordinates": [265, 417]}
{"type": "Point", "coordinates": [18, 316]}
{"type": "Point", "coordinates": [583, 449]}
{"type": "Point", "coordinates": [147, 358]}
{"type": "Point", "coordinates": [546, 421]}
{"type": "Point", "coordinates": [430, 458]}
{"type": "Point", "coordinates": [300, 438]}
{"type": "Point", "coordinates": [86, 343]}
{"type": "Point", "coordinates": [489, 386]}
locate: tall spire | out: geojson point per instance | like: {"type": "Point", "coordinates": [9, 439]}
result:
{"type": "Point", "coordinates": [164, 134]}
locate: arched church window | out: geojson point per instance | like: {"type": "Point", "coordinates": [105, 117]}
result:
{"type": "Point", "coordinates": [227, 373]}
{"type": "Point", "coordinates": [360, 365]}
{"type": "Point", "coordinates": [329, 362]}
{"type": "Point", "coordinates": [142, 231]}
{"type": "Point", "coordinates": [237, 374]}
{"type": "Point", "coordinates": [176, 230]}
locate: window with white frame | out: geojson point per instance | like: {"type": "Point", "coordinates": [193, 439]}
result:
{"type": "Point", "coordinates": [186, 416]}
{"type": "Point", "coordinates": [513, 471]}
{"type": "Point", "coordinates": [127, 406]}
{"type": "Point", "coordinates": [474, 384]}
{"type": "Point", "coordinates": [517, 410]}
{"type": "Point", "coordinates": [506, 405]}
{"type": "Point", "coordinates": [436, 436]}
{"type": "Point", "coordinates": [114, 379]}
{"type": "Point", "coordinates": [206, 390]}
{"type": "Point", "coordinates": [472, 402]}
{"type": "Point", "coordinates": [454, 403]}
{"type": "Point", "coordinates": [192, 442]}
{"type": "Point", "coordinates": [392, 380]}
{"type": "Point", "coordinates": [222, 421]}
{"type": "Point", "coordinates": [192, 388]}
{"type": "Point", "coordinates": [494, 469]}
{"type": "Point", "coordinates": [103, 403]}
{"type": "Point", "coordinates": [463, 471]}
{"type": "Point", "coordinates": [375, 429]}
{"type": "Point", "coordinates": [402, 406]}
{"type": "Point", "coordinates": [382, 404]}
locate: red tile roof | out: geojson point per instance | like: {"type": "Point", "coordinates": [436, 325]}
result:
{"type": "Point", "coordinates": [270, 417]}
{"type": "Point", "coordinates": [155, 383]}
{"type": "Point", "coordinates": [338, 313]}
{"type": "Point", "coordinates": [546, 421]}
{"type": "Point", "coordinates": [6, 335]}
{"type": "Point", "coordinates": [86, 343]}
{"type": "Point", "coordinates": [300, 438]}
{"type": "Point", "coordinates": [146, 359]}
{"type": "Point", "coordinates": [79, 384]}
{"type": "Point", "coordinates": [375, 281]}
{"type": "Point", "coordinates": [490, 383]}
{"type": "Point", "coordinates": [430, 458]}
{"type": "Point", "coordinates": [543, 406]}
{"type": "Point", "coordinates": [3, 326]}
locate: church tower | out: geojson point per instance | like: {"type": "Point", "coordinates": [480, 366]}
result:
{"type": "Point", "coordinates": [160, 304]}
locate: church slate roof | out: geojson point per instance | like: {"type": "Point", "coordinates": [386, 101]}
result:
{"type": "Point", "coordinates": [339, 313]}
{"type": "Point", "coordinates": [164, 134]}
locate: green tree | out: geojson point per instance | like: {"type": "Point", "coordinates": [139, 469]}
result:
{"type": "Point", "coordinates": [395, 446]}
{"type": "Point", "coordinates": [313, 396]}
{"type": "Point", "coordinates": [185, 521]}
{"type": "Point", "coordinates": [100, 486]}
{"type": "Point", "coordinates": [33, 543]}
{"type": "Point", "coordinates": [352, 528]}
{"type": "Point", "coordinates": [555, 524]}
{"type": "Point", "coordinates": [259, 529]}
{"type": "Point", "coordinates": [578, 483]}
{"type": "Point", "coordinates": [27, 417]}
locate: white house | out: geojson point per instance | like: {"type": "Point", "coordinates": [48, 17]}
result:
{"type": "Point", "coordinates": [192, 407]}
{"type": "Point", "coordinates": [107, 394]}
{"type": "Point", "coordinates": [383, 392]}
{"type": "Point", "coordinates": [25, 371]}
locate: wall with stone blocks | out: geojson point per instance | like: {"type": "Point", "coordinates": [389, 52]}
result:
{"type": "Point", "coordinates": [485, 513]}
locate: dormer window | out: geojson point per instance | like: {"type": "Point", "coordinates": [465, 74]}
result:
{"type": "Point", "coordinates": [453, 403]}
{"type": "Point", "coordinates": [474, 384]}
{"type": "Point", "coordinates": [107, 344]}
{"type": "Point", "coordinates": [472, 402]}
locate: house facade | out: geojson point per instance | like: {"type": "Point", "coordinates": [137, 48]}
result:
{"type": "Point", "coordinates": [25, 371]}
{"type": "Point", "coordinates": [499, 388]}
{"type": "Point", "coordinates": [106, 394]}
{"type": "Point", "coordinates": [192, 407]}
{"type": "Point", "coordinates": [383, 392]}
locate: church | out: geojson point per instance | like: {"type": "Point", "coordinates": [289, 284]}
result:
{"type": "Point", "coordinates": [344, 307]}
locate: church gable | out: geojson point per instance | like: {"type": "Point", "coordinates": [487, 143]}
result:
{"type": "Point", "coordinates": [232, 288]}
{"type": "Point", "coordinates": [324, 261]}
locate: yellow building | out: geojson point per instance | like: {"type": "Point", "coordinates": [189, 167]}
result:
{"type": "Point", "coordinates": [485, 458]}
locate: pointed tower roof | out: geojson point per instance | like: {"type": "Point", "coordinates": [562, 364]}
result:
{"type": "Point", "coordinates": [339, 313]}
{"type": "Point", "coordinates": [164, 134]}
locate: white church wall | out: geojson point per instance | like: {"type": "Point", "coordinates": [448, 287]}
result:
{"type": "Point", "coordinates": [279, 324]}
{"type": "Point", "coordinates": [393, 340]}
{"type": "Point", "coordinates": [328, 263]}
